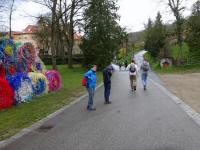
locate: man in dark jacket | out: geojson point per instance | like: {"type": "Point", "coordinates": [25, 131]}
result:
{"type": "Point", "coordinates": [107, 73]}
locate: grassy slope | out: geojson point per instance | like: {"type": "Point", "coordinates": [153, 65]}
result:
{"type": "Point", "coordinates": [17, 118]}
{"type": "Point", "coordinates": [174, 54]}
{"type": "Point", "coordinates": [183, 69]}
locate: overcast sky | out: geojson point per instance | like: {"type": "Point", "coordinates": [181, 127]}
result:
{"type": "Point", "coordinates": [134, 13]}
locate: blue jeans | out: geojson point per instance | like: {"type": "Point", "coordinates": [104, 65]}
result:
{"type": "Point", "coordinates": [91, 97]}
{"type": "Point", "coordinates": [144, 79]}
{"type": "Point", "coordinates": [107, 88]}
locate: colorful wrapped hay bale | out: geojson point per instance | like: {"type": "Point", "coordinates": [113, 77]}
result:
{"type": "Point", "coordinates": [6, 94]}
{"type": "Point", "coordinates": [22, 87]}
{"type": "Point", "coordinates": [54, 78]}
{"type": "Point", "coordinates": [38, 66]}
{"type": "Point", "coordinates": [27, 53]}
{"type": "Point", "coordinates": [23, 75]}
{"type": "Point", "coordinates": [39, 82]}
{"type": "Point", "coordinates": [8, 52]}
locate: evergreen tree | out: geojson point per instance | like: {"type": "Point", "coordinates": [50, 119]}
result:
{"type": "Point", "coordinates": [193, 37]}
{"type": "Point", "coordinates": [155, 36]}
{"type": "Point", "coordinates": [103, 35]}
{"type": "Point", "coordinates": [148, 36]}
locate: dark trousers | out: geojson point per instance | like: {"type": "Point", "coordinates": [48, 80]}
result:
{"type": "Point", "coordinates": [107, 88]}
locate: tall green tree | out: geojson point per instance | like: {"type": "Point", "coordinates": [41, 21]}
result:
{"type": "Point", "coordinates": [102, 33]}
{"type": "Point", "coordinates": [155, 36]}
{"type": "Point", "coordinates": [44, 33]}
{"type": "Point", "coordinates": [193, 37]}
{"type": "Point", "coordinates": [148, 35]}
{"type": "Point", "coordinates": [177, 9]}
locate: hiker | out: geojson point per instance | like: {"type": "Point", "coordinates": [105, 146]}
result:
{"type": "Point", "coordinates": [125, 64]}
{"type": "Point", "coordinates": [107, 73]}
{"type": "Point", "coordinates": [133, 73]}
{"type": "Point", "coordinates": [120, 66]}
{"type": "Point", "coordinates": [145, 67]}
{"type": "Point", "coordinates": [91, 79]}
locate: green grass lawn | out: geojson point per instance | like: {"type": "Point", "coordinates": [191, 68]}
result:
{"type": "Point", "coordinates": [14, 119]}
{"type": "Point", "coordinates": [179, 70]}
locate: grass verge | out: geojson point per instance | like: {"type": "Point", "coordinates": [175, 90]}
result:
{"type": "Point", "coordinates": [15, 119]}
{"type": "Point", "coordinates": [194, 68]}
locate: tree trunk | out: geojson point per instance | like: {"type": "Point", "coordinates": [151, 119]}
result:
{"type": "Point", "coordinates": [53, 34]}
{"type": "Point", "coordinates": [70, 62]}
{"type": "Point", "coordinates": [63, 53]}
{"type": "Point", "coordinates": [10, 19]}
{"type": "Point", "coordinates": [71, 35]}
{"type": "Point", "coordinates": [54, 65]}
{"type": "Point", "coordinates": [180, 42]}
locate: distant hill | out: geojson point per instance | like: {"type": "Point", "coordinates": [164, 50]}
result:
{"type": "Point", "coordinates": [136, 37]}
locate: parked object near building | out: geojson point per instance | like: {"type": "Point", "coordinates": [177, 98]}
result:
{"type": "Point", "coordinates": [165, 62]}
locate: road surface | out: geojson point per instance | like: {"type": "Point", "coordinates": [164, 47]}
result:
{"type": "Point", "coordinates": [141, 120]}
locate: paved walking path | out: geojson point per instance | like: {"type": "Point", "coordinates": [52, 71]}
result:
{"type": "Point", "coordinates": [141, 120]}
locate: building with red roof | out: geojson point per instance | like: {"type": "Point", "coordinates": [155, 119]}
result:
{"type": "Point", "coordinates": [29, 35]}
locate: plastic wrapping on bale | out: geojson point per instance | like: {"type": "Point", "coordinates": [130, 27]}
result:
{"type": "Point", "coordinates": [8, 50]}
{"type": "Point", "coordinates": [2, 56]}
{"type": "Point", "coordinates": [38, 66]}
{"type": "Point", "coordinates": [21, 66]}
{"type": "Point", "coordinates": [6, 94]}
{"type": "Point", "coordinates": [2, 72]}
{"type": "Point", "coordinates": [39, 82]}
{"type": "Point", "coordinates": [54, 78]}
{"type": "Point", "coordinates": [22, 87]}
{"type": "Point", "coordinates": [27, 53]}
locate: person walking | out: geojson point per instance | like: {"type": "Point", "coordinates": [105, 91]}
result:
{"type": "Point", "coordinates": [91, 80]}
{"type": "Point", "coordinates": [133, 73]}
{"type": "Point", "coordinates": [125, 64]}
{"type": "Point", "coordinates": [145, 67]}
{"type": "Point", "coordinates": [107, 73]}
{"type": "Point", "coordinates": [120, 66]}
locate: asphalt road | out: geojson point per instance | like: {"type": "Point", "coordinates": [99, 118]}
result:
{"type": "Point", "coordinates": [141, 120]}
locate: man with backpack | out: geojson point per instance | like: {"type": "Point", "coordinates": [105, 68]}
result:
{"type": "Point", "coordinates": [90, 80]}
{"type": "Point", "coordinates": [107, 73]}
{"type": "Point", "coordinates": [145, 67]}
{"type": "Point", "coordinates": [133, 73]}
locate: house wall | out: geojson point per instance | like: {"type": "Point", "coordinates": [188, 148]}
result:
{"type": "Point", "coordinates": [23, 38]}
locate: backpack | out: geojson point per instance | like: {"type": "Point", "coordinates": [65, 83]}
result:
{"type": "Point", "coordinates": [84, 81]}
{"type": "Point", "coordinates": [132, 68]}
{"type": "Point", "coordinates": [145, 67]}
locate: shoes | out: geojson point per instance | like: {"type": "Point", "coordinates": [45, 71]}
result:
{"type": "Point", "coordinates": [145, 88]}
{"type": "Point", "coordinates": [108, 102]}
{"type": "Point", "coordinates": [91, 109]}
{"type": "Point", "coordinates": [134, 88]}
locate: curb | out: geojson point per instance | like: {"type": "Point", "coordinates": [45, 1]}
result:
{"type": "Point", "coordinates": [41, 122]}
{"type": "Point", "coordinates": [185, 107]}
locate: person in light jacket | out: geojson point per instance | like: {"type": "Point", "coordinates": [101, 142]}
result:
{"type": "Point", "coordinates": [133, 73]}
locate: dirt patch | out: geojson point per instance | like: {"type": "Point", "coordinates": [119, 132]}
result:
{"type": "Point", "coordinates": [185, 86]}
{"type": "Point", "coordinates": [45, 128]}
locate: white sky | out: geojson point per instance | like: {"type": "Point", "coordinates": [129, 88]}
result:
{"type": "Point", "coordinates": [134, 13]}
